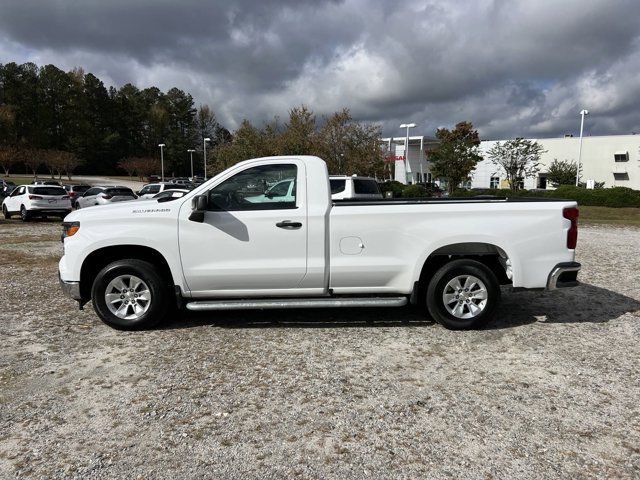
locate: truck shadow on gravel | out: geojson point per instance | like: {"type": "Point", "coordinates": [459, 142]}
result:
{"type": "Point", "coordinates": [586, 303]}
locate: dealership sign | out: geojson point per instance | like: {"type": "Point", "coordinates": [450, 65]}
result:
{"type": "Point", "coordinates": [394, 158]}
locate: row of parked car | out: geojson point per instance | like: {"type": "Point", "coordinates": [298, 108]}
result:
{"type": "Point", "coordinates": [49, 198]}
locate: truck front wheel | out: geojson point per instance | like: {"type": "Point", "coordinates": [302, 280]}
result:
{"type": "Point", "coordinates": [130, 294]}
{"type": "Point", "coordinates": [463, 294]}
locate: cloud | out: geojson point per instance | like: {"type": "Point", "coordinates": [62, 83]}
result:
{"type": "Point", "coordinates": [512, 67]}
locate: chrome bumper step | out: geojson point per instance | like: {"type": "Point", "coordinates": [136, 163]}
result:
{"type": "Point", "coordinates": [267, 303]}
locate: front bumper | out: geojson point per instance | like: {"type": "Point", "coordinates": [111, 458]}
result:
{"type": "Point", "coordinates": [70, 289]}
{"type": "Point", "coordinates": [563, 275]}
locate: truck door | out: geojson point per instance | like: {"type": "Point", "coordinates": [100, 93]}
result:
{"type": "Point", "coordinates": [253, 238]}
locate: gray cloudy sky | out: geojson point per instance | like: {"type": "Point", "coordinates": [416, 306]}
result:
{"type": "Point", "coordinates": [512, 67]}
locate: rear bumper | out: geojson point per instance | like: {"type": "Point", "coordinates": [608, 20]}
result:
{"type": "Point", "coordinates": [52, 210]}
{"type": "Point", "coordinates": [563, 275]}
{"type": "Point", "coordinates": [70, 289]}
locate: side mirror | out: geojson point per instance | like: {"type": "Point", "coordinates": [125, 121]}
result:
{"type": "Point", "coordinates": [199, 205]}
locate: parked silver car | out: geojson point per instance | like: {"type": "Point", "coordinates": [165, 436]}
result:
{"type": "Point", "coordinates": [104, 195]}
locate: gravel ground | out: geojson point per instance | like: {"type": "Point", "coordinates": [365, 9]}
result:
{"type": "Point", "coordinates": [550, 389]}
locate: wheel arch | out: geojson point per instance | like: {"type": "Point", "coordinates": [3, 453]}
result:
{"type": "Point", "coordinates": [492, 256]}
{"type": "Point", "coordinates": [98, 259]}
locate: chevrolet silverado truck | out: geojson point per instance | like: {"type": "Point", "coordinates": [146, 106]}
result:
{"type": "Point", "coordinates": [236, 243]}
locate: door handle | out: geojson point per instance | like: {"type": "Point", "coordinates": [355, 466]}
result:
{"type": "Point", "coordinates": [289, 225]}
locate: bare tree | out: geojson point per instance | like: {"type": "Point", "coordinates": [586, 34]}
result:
{"type": "Point", "coordinates": [33, 158]}
{"type": "Point", "coordinates": [128, 165]}
{"type": "Point", "coordinates": [8, 157]}
{"type": "Point", "coordinates": [67, 163]}
{"type": "Point", "coordinates": [144, 166]}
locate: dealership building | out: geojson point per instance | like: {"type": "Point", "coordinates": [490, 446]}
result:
{"type": "Point", "coordinates": [413, 167]}
{"type": "Point", "coordinates": [612, 159]}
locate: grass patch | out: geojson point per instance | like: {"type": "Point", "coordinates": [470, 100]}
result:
{"type": "Point", "coordinates": [27, 179]}
{"type": "Point", "coordinates": [611, 216]}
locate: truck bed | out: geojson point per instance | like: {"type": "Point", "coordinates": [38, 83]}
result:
{"type": "Point", "coordinates": [433, 200]}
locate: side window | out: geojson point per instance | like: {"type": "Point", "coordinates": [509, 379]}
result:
{"type": "Point", "coordinates": [154, 189]}
{"type": "Point", "coordinates": [91, 191]}
{"type": "Point", "coordinates": [337, 186]}
{"type": "Point", "coordinates": [266, 187]}
{"type": "Point", "coordinates": [17, 191]}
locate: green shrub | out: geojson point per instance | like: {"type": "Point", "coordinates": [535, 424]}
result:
{"type": "Point", "coordinates": [392, 186]}
{"type": "Point", "coordinates": [414, 191]}
{"type": "Point", "coordinates": [616, 197]}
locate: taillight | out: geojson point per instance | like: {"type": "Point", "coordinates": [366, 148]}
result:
{"type": "Point", "coordinates": [107, 197]}
{"type": "Point", "coordinates": [572, 235]}
{"type": "Point", "coordinates": [34, 197]}
{"type": "Point", "coordinates": [72, 194]}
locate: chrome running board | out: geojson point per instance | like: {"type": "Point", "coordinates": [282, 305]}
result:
{"type": "Point", "coordinates": [297, 303]}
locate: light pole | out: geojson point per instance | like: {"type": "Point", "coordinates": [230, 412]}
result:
{"type": "Point", "coordinates": [190, 151]}
{"type": "Point", "coordinates": [407, 166]}
{"type": "Point", "coordinates": [162, 145]}
{"type": "Point", "coordinates": [204, 150]}
{"type": "Point", "coordinates": [583, 113]}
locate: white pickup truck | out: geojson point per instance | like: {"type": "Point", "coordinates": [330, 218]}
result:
{"type": "Point", "coordinates": [232, 244]}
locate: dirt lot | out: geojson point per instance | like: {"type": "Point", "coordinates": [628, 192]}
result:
{"type": "Point", "coordinates": [551, 389]}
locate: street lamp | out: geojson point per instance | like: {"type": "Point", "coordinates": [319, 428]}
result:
{"type": "Point", "coordinates": [190, 151]}
{"type": "Point", "coordinates": [204, 149]}
{"type": "Point", "coordinates": [162, 145]}
{"type": "Point", "coordinates": [407, 166]}
{"type": "Point", "coordinates": [583, 113]}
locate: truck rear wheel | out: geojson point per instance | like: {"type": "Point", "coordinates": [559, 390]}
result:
{"type": "Point", "coordinates": [463, 294]}
{"type": "Point", "coordinates": [130, 294]}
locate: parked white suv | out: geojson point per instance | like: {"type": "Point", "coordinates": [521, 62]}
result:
{"type": "Point", "coordinates": [37, 201]}
{"type": "Point", "coordinates": [151, 189]}
{"type": "Point", "coordinates": [104, 195]}
{"type": "Point", "coordinates": [347, 188]}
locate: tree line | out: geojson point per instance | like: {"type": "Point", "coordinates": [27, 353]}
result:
{"type": "Point", "coordinates": [64, 121]}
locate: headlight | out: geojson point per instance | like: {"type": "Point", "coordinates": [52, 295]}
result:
{"type": "Point", "coordinates": [69, 229]}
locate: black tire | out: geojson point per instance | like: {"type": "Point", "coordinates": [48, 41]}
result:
{"type": "Point", "coordinates": [161, 294]}
{"type": "Point", "coordinates": [438, 284]}
{"type": "Point", "coordinates": [24, 214]}
{"type": "Point", "coordinates": [7, 215]}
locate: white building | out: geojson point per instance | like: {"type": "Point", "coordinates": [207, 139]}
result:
{"type": "Point", "coordinates": [415, 168]}
{"type": "Point", "coordinates": [612, 159]}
